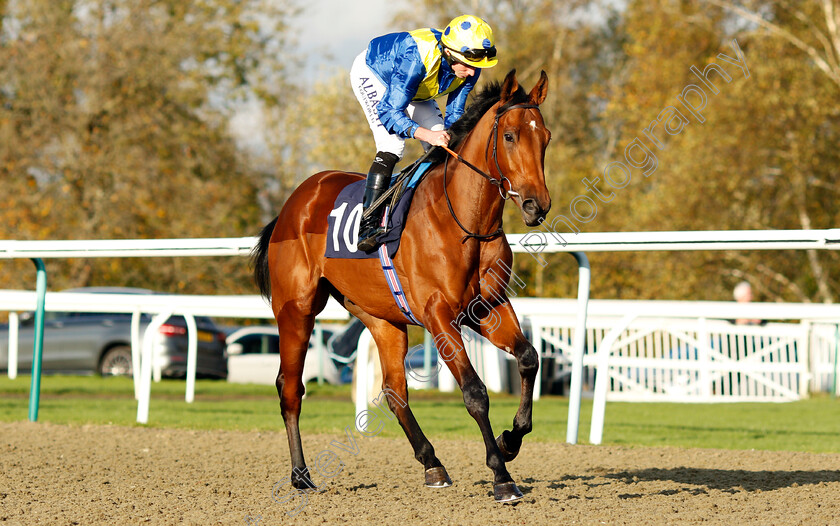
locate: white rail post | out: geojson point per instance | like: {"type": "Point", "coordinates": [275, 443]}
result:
{"type": "Point", "coordinates": [320, 350]}
{"type": "Point", "coordinates": [192, 356]}
{"type": "Point", "coordinates": [146, 366]}
{"type": "Point", "coordinates": [704, 359]}
{"type": "Point", "coordinates": [136, 350]}
{"type": "Point", "coordinates": [427, 360]}
{"type": "Point", "coordinates": [14, 323]}
{"type": "Point", "coordinates": [803, 358]}
{"type": "Point", "coordinates": [602, 378]}
{"type": "Point", "coordinates": [362, 358]}
{"type": "Point", "coordinates": [579, 340]}
{"type": "Point", "coordinates": [835, 383]}
{"type": "Point", "coordinates": [537, 331]}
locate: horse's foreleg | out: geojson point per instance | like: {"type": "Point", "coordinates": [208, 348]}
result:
{"type": "Point", "coordinates": [451, 348]}
{"type": "Point", "coordinates": [501, 328]}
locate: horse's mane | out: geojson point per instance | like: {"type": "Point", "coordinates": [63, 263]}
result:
{"type": "Point", "coordinates": [482, 101]}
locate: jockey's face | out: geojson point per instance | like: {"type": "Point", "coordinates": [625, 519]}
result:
{"type": "Point", "coordinates": [462, 71]}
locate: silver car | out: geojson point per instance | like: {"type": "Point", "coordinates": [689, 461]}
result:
{"type": "Point", "coordinates": [89, 342]}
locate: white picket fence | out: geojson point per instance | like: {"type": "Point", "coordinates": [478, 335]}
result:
{"type": "Point", "coordinates": [681, 357]}
{"type": "Point", "coordinates": [679, 360]}
{"type": "Point", "coordinates": [681, 351]}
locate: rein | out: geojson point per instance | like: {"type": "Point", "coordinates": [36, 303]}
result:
{"type": "Point", "coordinates": [499, 182]}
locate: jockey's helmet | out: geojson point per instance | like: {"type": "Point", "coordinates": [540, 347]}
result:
{"type": "Point", "coordinates": [470, 40]}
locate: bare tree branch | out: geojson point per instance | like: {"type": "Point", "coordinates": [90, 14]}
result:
{"type": "Point", "coordinates": [819, 60]}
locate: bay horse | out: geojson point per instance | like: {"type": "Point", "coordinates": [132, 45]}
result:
{"type": "Point", "coordinates": [499, 145]}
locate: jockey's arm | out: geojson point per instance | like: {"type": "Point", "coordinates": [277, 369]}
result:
{"type": "Point", "coordinates": [407, 74]}
{"type": "Point", "coordinates": [457, 100]}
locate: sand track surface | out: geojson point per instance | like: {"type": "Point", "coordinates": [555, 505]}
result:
{"type": "Point", "coordinates": [52, 474]}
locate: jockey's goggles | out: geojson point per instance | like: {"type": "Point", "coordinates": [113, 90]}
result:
{"type": "Point", "coordinates": [475, 54]}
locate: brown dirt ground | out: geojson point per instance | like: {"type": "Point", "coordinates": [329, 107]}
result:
{"type": "Point", "coordinates": [51, 474]}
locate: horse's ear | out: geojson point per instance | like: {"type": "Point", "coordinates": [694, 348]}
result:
{"type": "Point", "coordinates": [537, 95]}
{"type": "Point", "coordinates": [509, 86]}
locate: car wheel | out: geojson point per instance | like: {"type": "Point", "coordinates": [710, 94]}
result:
{"type": "Point", "coordinates": [116, 362]}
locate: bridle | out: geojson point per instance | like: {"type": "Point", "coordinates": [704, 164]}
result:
{"type": "Point", "coordinates": [499, 182]}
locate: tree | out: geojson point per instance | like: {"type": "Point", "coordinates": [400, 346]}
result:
{"type": "Point", "coordinates": [763, 158]}
{"type": "Point", "coordinates": [810, 30]}
{"type": "Point", "coordinates": [114, 120]}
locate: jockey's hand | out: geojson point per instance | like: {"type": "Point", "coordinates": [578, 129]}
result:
{"type": "Point", "coordinates": [435, 138]}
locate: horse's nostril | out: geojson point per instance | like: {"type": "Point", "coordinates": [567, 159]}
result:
{"type": "Point", "coordinates": [530, 206]}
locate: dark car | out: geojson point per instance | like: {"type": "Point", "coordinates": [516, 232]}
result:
{"type": "Point", "coordinates": [91, 342]}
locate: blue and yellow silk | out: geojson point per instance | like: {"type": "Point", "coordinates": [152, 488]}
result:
{"type": "Point", "coordinates": [411, 67]}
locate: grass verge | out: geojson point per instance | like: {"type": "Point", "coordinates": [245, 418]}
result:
{"type": "Point", "coordinates": [811, 425]}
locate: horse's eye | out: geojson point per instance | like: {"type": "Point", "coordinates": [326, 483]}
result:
{"type": "Point", "coordinates": [508, 137]}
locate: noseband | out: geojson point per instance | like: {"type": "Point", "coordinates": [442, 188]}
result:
{"type": "Point", "coordinates": [499, 182]}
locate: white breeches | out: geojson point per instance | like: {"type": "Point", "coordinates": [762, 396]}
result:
{"type": "Point", "coordinates": [369, 91]}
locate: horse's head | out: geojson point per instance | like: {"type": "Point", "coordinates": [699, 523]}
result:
{"type": "Point", "coordinates": [520, 140]}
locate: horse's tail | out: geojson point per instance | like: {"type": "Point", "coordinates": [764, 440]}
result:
{"type": "Point", "coordinates": [259, 260]}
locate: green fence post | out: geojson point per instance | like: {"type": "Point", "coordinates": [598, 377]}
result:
{"type": "Point", "coordinates": [38, 346]}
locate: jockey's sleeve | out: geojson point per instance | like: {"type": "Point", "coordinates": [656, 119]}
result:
{"type": "Point", "coordinates": [457, 100]}
{"type": "Point", "coordinates": [405, 79]}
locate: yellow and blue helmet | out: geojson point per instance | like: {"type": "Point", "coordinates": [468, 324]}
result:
{"type": "Point", "coordinates": [470, 40]}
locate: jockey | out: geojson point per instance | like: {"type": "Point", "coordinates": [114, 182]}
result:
{"type": "Point", "coordinates": [396, 80]}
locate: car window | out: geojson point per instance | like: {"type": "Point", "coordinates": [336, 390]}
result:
{"type": "Point", "coordinates": [202, 322]}
{"type": "Point", "coordinates": [326, 335]}
{"type": "Point", "coordinates": [57, 316]}
{"type": "Point", "coordinates": [107, 315]}
{"type": "Point", "coordinates": [259, 344]}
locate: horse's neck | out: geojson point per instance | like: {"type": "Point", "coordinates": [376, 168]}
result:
{"type": "Point", "coordinates": [476, 202]}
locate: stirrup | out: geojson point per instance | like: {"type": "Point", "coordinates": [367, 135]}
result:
{"type": "Point", "coordinates": [367, 240]}
{"type": "Point", "coordinates": [369, 229]}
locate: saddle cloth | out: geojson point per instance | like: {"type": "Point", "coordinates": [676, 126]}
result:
{"type": "Point", "coordinates": [343, 231]}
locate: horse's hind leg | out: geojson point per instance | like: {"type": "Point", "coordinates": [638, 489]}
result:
{"type": "Point", "coordinates": [392, 344]}
{"type": "Point", "coordinates": [295, 320]}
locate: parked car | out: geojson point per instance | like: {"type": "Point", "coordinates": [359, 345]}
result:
{"type": "Point", "coordinates": [343, 347]}
{"type": "Point", "coordinates": [254, 356]}
{"type": "Point", "coordinates": [93, 342]}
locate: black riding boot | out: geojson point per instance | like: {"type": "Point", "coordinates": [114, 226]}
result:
{"type": "Point", "coordinates": [378, 180]}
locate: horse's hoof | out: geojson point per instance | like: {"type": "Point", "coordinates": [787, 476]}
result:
{"type": "Point", "coordinates": [507, 454]}
{"type": "Point", "coordinates": [506, 492]}
{"type": "Point", "coordinates": [301, 480]}
{"type": "Point", "coordinates": [437, 478]}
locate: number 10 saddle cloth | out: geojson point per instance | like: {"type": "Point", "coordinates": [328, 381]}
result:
{"type": "Point", "coordinates": [343, 231]}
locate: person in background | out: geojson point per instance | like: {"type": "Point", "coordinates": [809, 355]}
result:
{"type": "Point", "coordinates": [743, 294]}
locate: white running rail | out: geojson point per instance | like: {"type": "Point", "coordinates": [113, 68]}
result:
{"type": "Point", "coordinates": [544, 239]}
